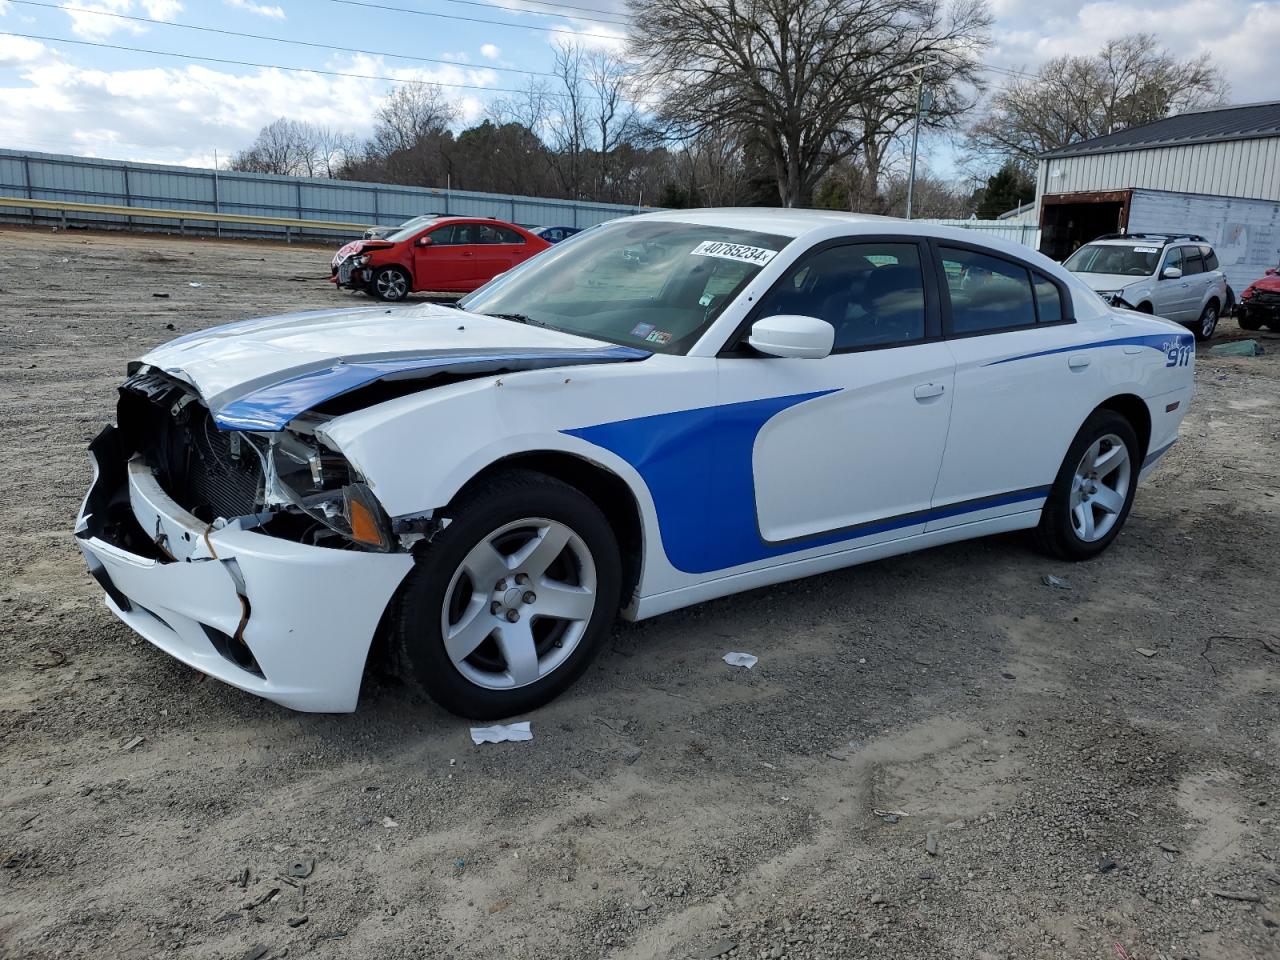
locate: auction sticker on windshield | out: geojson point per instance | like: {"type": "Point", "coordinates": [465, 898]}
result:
{"type": "Point", "coordinates": [734, 251]}
{"type": "Point", "coordinates": [1146, 249]}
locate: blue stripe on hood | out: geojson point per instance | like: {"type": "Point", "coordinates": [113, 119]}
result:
{"type": "Point", "coordinates": [271, 407]}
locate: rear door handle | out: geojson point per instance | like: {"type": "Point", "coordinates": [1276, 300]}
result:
{"type": "Point", "coordinates": [927, 391]}
{"type": "Point", "coordinates": [1078, 362]}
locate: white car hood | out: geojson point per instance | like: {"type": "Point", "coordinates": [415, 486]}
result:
{"type": "Point", "coordinates": [259, 374]}
{"type": "Point", "coordinates": [1109, 281]}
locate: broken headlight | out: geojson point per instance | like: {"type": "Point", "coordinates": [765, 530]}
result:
{"type": "Point", "coordinates": [320, 485]}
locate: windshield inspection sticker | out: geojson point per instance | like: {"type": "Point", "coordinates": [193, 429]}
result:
{"type": "Point", "coordinates": [733, 251]}
{"type": "Point", "coordinates": [659, 336]}
{"type": "Point", "coordinates": [1146, 249]}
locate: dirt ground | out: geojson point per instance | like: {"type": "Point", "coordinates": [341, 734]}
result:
{"type": "Point", "coordinates": [1085, 799]}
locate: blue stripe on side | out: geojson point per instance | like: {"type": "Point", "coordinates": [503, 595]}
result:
{"type": "Point", "coordinates": [1163, 342]}
{"type": "Point", "coordinates": [272, 407]}
{"type": "Point", "coordinates": [1155, 455]}
{"type": "Point", "coordinates": [697, 465]}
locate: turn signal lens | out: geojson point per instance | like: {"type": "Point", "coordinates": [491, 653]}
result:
{"type": "Point", "coordinates": [368, 525]}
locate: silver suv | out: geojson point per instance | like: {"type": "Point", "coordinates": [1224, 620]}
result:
{"type": "Point", "coordinates": [1174, 276]}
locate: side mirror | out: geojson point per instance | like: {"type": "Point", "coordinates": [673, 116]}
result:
{"type": "Point", "coordinates": [789, 335]}
{"type": "Point", "coordinates": [424, 241]}
{"type": "Point", "coordinates": [1171, 273]}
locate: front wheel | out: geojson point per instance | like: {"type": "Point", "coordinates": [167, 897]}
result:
{"type": "Point", "coordinates": [1208, 321]}
{"type": "Point", "coordinates": [1247, 320]}
{"type": "Point", "coordinates": [510, 602]}
{"type": "Point", "coordinates": [390, 284]}
{"type": "Point", "coordinates": [1093, 492]}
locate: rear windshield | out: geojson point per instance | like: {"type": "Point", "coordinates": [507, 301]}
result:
{"type": "Point", "coordinates": [409, 228]}
{"type": "Point", "coordinates": [1138, 260]}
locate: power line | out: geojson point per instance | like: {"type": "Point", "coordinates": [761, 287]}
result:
{"type": "Point", "coordinates": [287, 40]}
{"type": "Point", "coordinates": [492, 23]}
{"type": "Point", "coordinates": [276, 66]}
{"type": "Point", "coordinates": [541, 3]}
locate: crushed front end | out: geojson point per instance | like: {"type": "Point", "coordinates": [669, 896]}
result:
{"type": "Point", "coordinates": [262, 559]}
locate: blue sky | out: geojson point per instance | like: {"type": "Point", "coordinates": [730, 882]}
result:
{"type": "Point", "coordinates": [64, 97]}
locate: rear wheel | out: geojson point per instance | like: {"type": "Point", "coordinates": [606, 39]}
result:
{"type": "Point", "coordinates": [1093, 492]}
{"type": "Point", "coordinates": [511, 601]}
{"type": "Point", "coordinates": [390, 284]}
{"type": "Point", "coordinates": [1208, 321]}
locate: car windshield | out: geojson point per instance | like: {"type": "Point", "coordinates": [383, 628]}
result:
{"type": "Point", "coordinates": [1132, 261]}
{"type": "Point", "coordinates": [653, 284]}
{"type": "Point", "coordinates": [408, 229]}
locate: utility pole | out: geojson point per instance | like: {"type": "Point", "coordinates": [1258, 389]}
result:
{"type": "Point", "coordinates": [915, 137]}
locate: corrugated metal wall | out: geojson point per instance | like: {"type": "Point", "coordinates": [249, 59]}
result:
{"type": "Point", "coordinates": [1245, 233]}
{"type": "Point", "coordinates": [1236, 168]}
{"type": "Point", "coordinates": [1027, 234]}
{"type": "Point", "coordinates": [46, 176]}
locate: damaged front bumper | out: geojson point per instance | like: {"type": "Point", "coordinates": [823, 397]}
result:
{"type": "Point", "coordinates": [287, 621]}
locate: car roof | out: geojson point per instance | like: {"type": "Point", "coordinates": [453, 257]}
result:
{"type": "Point", "coordinates": [1148, 240]}
{"type": "Point", "coordinates": [823, 224]}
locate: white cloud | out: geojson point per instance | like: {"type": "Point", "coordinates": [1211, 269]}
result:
{"type": "Point", "coordinates": [15, 51]}
{"type": "Point", "coordinates": [1241, 36]}
{"type": "Point", "coordinates": [175, 114]}
{"type": "Point", "coordinates": [270, 11]}
{"type": "Point", "coordinates": [92, 19]}
{"type": "Point", "coordinates": [490, 51]}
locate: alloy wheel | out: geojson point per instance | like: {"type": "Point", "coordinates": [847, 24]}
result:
{"type": "Point", "coordinates": [391, 284]}
{"type": "Point", "coordinates": [519, 603]}
{"type": "Point", "coordinates": [1208, 321]}
{"type": "Point", "coordinates": [1100, 488]}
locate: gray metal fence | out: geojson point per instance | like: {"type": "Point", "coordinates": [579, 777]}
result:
{"type": "Point", "coordinates": [47, 176]}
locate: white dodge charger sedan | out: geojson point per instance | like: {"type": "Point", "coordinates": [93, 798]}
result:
{"type": "Point", "coordinates": [658, 411]}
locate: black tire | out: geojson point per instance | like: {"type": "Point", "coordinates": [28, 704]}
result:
{"type": "Point", "coordinates": [390, 284]}
{"type": "Point", "coordinates": [1247, 320]}
{"type": "Point", "coordinates": [1208, 323]}
{"type": "Point", "coordinates": [416, 635]}
{"type": "Point", "coordinates": [1056, 534]}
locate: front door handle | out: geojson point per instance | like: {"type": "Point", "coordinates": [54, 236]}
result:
{"type": "Point", "coordinates": [467, 253]}
{"type": "Point", "coordinates": [927, 391]}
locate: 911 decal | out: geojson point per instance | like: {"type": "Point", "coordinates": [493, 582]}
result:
{"type": "Point", "coordinates": [1179, 352]}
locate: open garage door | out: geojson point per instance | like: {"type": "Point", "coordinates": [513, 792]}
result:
{"type": "Point", "coordinates": [1070, 220]}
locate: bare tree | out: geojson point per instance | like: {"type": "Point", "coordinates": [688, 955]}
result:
{"type": "Point", "coordinates": [1129, 82]}
{"type": "Point", "coordinates": [296, 148]}
{"type": "Point", "coordinates": [807, 77]}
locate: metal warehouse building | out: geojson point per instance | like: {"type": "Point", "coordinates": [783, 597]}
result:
{"type": "Point", "coordinates": [1210, 172]}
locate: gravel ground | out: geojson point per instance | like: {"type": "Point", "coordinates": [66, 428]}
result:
{"type": "Point", "coordinates": [938, 756]}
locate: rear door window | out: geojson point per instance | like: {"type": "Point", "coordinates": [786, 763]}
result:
{"type": "Point", "coordinates": [1048, 300]}
{"type": "Point", "coordinates": [987, 294]}
{"type": "Point", "coordinates": [1192, 261]}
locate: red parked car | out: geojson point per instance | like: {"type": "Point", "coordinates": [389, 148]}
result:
{"type": "Point", "coordinates": [1260, 303]}
{"type": "Point", "coordinates": [456, 254]}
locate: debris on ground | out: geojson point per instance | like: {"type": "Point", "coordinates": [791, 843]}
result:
{"type": "Point", "coordinates": [389, 823]}
{"type": "Point", "coordinates": [1242, 896]}
{"type": "Point", "coordinates": [133, 744]}
{"type": "Point", "coordinates": [931, 843]}
{"type": "Point", "coordinates": [1147, 652]}
{"type": "Point", "coordinates": [1049, 580]}
{"type": "Point", "coordinates": [161, 296]}
{"type": "Point", "coordinates": [302, 868]}
{"type": "Point", "coordinates": [193, 284]}
{"type": "Point", "coordinates": [1238, 348]}
{"type": "Point", "coordinates": [741, 660]}
{"type": "Point", "coordinates": [502, 733]}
